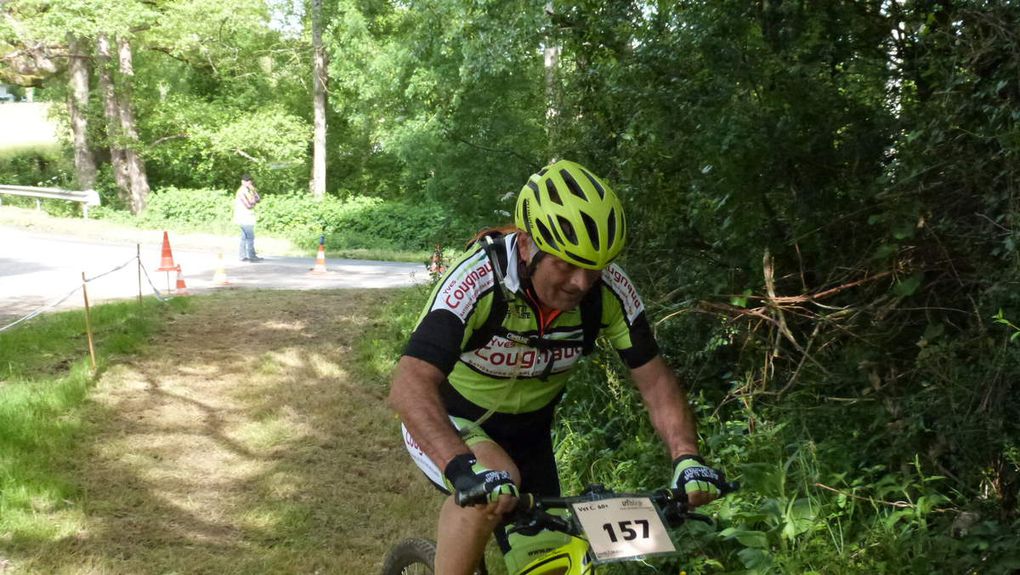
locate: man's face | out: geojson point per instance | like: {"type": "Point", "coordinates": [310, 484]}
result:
{"type": "Point", "coordinates": [562, 285]}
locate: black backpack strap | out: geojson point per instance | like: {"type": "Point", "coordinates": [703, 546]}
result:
{"type": "Point", "coordinates": [497, 312]}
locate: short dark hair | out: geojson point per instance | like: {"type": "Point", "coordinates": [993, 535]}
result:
{"type": "Point", "coordinates": [245, 177]}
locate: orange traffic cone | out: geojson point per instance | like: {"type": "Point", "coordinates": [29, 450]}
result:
{"type": "Point", "coordinates": [166, 263]}
{"type": "Point", "coordinates": [320, 258]}
{"type": "Point", "coordinates": [220, 277]}
{"type": "Point", "coordinates": [182, 288]}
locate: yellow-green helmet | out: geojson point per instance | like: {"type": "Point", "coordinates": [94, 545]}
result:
{"type": "Point", "coordinates": [573, 215]}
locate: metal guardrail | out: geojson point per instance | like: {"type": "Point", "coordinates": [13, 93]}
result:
{"type": "Point", "coordinates": [86, 198]}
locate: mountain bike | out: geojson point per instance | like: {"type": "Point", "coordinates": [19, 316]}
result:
{"type": "Point", "coordinates": [596, 527]}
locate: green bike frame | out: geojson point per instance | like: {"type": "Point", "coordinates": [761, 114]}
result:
{"type": "Point", "coordinates": [568, 559]}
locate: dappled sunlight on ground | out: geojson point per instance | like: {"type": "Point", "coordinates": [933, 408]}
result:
{"type": "Point", "coordinates": [242, 443]}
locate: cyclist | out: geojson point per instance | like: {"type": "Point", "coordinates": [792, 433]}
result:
{"type": "Point", "coordinates": [485, 366]}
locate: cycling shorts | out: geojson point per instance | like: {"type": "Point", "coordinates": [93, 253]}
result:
{"type": "Point", "coordinates": [526, 437]}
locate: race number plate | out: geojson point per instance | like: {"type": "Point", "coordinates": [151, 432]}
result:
{"type": "Point", "coordinates": [623, 527]}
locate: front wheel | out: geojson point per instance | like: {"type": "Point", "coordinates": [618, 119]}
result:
{"type": "Point", "coordinates": [414, 557]}
{"type": "Point", "coordinates": [411, 557]}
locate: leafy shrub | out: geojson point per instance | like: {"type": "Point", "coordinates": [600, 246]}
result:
{"type": "Point", "coordinates": [36, 166]}
{"type": "Point", "coordinates": [357, 222]}
{"type": "Point", "coordinates": [211, 145]}
{"type": "Point", "coordinates": [189, 209]}
{"type": "Point", "coordinates": [42, 166]}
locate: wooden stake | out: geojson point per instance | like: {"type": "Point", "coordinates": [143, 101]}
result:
{"type": "Point", "coordinates": [88, 321]}
{"type": "Point", "coordinates": [138, 256]}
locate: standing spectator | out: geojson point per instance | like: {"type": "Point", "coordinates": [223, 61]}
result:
{"type": "Point", "coordinates": [244, 216]}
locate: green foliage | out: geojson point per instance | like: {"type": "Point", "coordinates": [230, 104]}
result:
{"type": "Point", "coordinates": [759, 152]}
{"type": "Point", "coordinates": [354, 223]}
{"type": "Point", "coordinates": [210, 145]}
{"type": "Point", "coordinates": [38, 165]}
{"type": "Point", "coordinates": [1000, 319]}
{"type": "Point", "coordinates": [358, 222]}
{"type": "Point", "coordinates": [189, 209]}
{"type": "Point", "coordinates": [464, 128]}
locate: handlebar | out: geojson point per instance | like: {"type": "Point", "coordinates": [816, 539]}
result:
{"type": "Point", "coordinates": [531, 514]}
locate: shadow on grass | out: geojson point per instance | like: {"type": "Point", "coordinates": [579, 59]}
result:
{"type": "Point", "coordinates": [242, 442]}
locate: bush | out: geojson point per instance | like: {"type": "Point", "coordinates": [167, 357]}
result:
{"type": "Point", "coordinates": [359, 222]}
{"type": "Point", "coordinates": [203, 208]}
{"type": "Point", "coordinates": [36, 166]}
{"type": "Point", "coordinates": [355, 223]}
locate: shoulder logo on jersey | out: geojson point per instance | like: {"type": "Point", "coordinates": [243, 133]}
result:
{"type": "Point", "coordinates": [614, 277]}
{"type": "Point", "coordinates": [464, 286]}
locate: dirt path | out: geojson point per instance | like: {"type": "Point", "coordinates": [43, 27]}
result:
{"type": "Point", "coordinates": [248, 439]}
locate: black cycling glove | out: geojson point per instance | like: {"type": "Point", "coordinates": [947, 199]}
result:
{"type": "Point", "coordinates": [691, 474]}
{"type": "Point", "coordinates": [472, 483]}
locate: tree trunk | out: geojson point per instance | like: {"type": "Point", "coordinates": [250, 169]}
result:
{"type": "Point", "coordinates": [77, 104]}
{"type": "Point", "coordinates": [135, 165]}
{"type": "Point", "coordinates": [552, 59]}
{"type": "Point", "coordinates": [111, 109]}
{"type": "Point", "coordinates": [319, 104]}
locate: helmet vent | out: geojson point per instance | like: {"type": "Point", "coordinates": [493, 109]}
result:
{"type": "Point", "coordinates": [546, 236]}
{"type": "Point", "coordinates": [595, 182]}
{"type": "Point", "coordinates": [554, 194]}
{"type": "Point", "coordinates": [573, 186]}
{"type": "Point", "coordinates": [578, 258]}
{"type": "Point", "coordinates": [568, 229]}
{"type": "Point", "coordinates": [611, 233]}
{"type": "Point", "coordinates": [526, 215]}
{"type": "Point", "coordinates": [593, 230]}
{"type": "Point", "coordinates": [534, 188]}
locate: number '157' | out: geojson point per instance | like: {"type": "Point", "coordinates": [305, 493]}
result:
{"type": "Point", "coordinates": [627, 530]}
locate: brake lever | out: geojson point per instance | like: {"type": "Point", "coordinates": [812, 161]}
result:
{"type": "Point", "coordinates": [540, 520]}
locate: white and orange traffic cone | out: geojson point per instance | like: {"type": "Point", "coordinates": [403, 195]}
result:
{"type": "Point", "coordinates": [182, 288]}
{"type": "Point", "coordinates": [320, 258]}
{"type": "Point", "coordinates": [166, 262]}
{"type": "Point", "coordinates": [220, 277]}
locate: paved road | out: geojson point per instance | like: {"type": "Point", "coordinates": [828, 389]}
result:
{"type": "Point", "coordinates": [38, 269]}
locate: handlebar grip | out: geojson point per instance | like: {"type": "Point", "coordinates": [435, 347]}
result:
{"type": "Point", "coordinates": [471, 497]}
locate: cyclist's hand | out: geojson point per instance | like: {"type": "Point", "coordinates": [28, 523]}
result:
{"type": "Point", "coordinates": [473, 484]}
{"type": "Point", "coordinates": [700, 482]}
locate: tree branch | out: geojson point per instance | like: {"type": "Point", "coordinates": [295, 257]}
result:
{"type": "Point", "coordinates": [168, 138]}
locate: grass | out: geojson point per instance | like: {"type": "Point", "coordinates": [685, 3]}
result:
{"type": "Point", "coordinates": [45, 378]}
{"type": "Point", "coordinates": [243, 432]}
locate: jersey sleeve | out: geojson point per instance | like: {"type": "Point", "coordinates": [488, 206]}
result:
{"type": "Point", "coordinates": [624, 321]}
{"type": "Point", "coordinates": [450, 317]}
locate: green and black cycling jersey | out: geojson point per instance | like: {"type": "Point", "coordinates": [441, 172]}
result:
{"type": "Point", "coordinates": [504, 375]}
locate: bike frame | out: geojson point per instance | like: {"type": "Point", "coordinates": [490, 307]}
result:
{"type": "Point", "coordinates": [569, 559]}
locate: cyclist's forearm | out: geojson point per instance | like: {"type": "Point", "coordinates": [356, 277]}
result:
{"type": "Point", "coordinates": [668, 407]}
{"type": "Point", "coordinates": [414, 395]}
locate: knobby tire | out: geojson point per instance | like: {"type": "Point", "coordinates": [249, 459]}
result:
{"type": "Point", "coordinates": [410, 557]}
{"type": "Point", "coordinates": [414, 557]}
